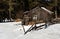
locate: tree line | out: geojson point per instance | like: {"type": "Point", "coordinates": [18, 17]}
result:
{"type": "Point", "coordinates": [9, 8]}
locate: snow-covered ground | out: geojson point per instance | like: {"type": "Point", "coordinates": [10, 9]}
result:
{"type": "Point", "coordinates": [13, 31]}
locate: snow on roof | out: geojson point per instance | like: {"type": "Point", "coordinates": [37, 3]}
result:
{"type": "Point", "coordinates": [26, 11]}
{"type": "Point", "coordinates": [47, 10]}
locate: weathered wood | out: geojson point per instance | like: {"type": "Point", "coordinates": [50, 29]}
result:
{"type": "Point", "coordinates": [40, 13]}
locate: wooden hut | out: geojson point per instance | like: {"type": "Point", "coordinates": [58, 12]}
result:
{"type": "Point", "coordinates": [40, 13]}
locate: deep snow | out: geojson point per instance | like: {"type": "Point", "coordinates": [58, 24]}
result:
{"type": "Point", "coordinates": [13, 30]}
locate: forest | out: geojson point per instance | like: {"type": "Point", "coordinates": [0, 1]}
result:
{"type": "Point", "coordinates": [14, 8]}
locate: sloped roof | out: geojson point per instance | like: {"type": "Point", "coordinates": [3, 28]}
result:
{"type": "Point", "coordinates": [38, 10]}
{"type": "Point", "coordinates": [46, 10]}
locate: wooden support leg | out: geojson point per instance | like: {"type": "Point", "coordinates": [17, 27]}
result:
{"type": "Point", "coordinates": [29, 29]}
{"type": "Point", "coordinates": [23, 28]}
{"type": "Point", "coordinates": [46, 26]}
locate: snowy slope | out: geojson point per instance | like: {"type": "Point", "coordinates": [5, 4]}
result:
{"type": "Point", "coordinates": [13, 31]}
{"type": "Point", "coordinates": [9, 31]}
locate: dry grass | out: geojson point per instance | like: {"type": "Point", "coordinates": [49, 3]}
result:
{"type": "Point", "coordinates": [17, 20]}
